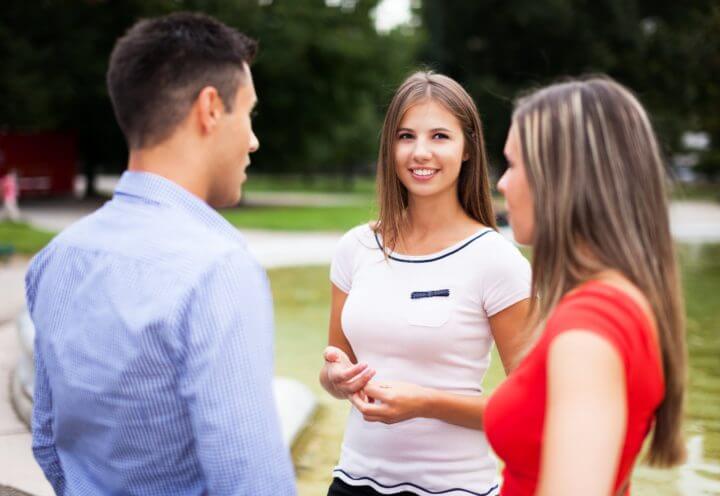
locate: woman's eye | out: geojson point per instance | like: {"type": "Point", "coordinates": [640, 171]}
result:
{"type": "Point", "coordinates": [404, 136]}
{"type": "Point", "coordinates": [440, 136]}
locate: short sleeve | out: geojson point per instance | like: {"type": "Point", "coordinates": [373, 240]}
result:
{"type": "Point", "coordinates": [601, 316]}
{"type": "Point", "coordinates": [343, 261]}
{"type": "Point", "coordinates": [507, 279]}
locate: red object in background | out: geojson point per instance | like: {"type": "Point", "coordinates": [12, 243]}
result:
{"type": "Point", "coordinates": [46, 163]}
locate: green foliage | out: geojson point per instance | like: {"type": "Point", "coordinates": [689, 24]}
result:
{"type": "Point", "coordinates": [709, 165]}
{"type": "Point", "coordinates": [323, 75]}
{"type": "Point", "coordinates": [666, 51]}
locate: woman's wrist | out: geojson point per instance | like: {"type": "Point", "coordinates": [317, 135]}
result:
{"type": "Point", "coordinates": [428, 402]}
{"type": "Point", "coordinates": [466, 411]}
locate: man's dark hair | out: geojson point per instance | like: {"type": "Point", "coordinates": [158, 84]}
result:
{"type": "Point", "coordinates": [158, 68]}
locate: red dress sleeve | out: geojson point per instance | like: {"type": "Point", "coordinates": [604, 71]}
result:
{"type": "Point", "coordinates": [608, 319]}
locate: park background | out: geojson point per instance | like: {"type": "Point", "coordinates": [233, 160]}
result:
{"type": "Point", "coordinates": [325, 73]}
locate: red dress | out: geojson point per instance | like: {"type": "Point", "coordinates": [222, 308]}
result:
{"type": "Point", "coordinates": [515, 414]}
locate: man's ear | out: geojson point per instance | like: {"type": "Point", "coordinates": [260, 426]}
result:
{"type": "Point", "coordinates": [208, 108]}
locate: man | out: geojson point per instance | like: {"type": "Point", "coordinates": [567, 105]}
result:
{"type": "Point", "coordinates": [154, 324]}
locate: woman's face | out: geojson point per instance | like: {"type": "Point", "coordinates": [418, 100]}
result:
{"type": "Point", "coordinates": [516, 190]}
{"type": "Point", "coordinates": [429, 150]}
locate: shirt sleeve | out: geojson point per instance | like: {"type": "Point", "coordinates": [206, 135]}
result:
{"type": "Point", "coordinates": [43, 438]}
{"type": "Point", "coordinates": [226, 380]}
{"type": "Point", "coordinates": [341, 268]}
{"type": "Point", "coordinates": [507, 279]}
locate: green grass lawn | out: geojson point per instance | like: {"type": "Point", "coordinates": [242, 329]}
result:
{"type": "Point", "coordinates": [366, 184]}
{"type": "Point", "coordinates": [335, 218]}
{"type": "Point", "coordinates": [339, 218]}
{"type": "Point", "coordinates": [24, 239]}
{"type": "Point", "coordinates": [701, 191]}
{"type": "Point", "coordinates": [28, 240]}
{"type": "Point", "coordinates": [302, 298]}
{"type": "Point", "coordinates": [309, 184]}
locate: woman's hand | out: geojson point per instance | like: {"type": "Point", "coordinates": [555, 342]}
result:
{"type": "Point", "coordinates": [391, 402]}
{"type": "Point", "coordinates": [344, 377]}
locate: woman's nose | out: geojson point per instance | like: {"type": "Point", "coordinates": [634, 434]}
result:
{"type": "Point", "coordinates": [421, 152]}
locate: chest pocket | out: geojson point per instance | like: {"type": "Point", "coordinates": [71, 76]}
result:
{"type": "Point", "coordinates": [428, 307]}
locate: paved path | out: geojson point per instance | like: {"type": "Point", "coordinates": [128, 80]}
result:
{"type": "Point", "coordinates": [695, 221]}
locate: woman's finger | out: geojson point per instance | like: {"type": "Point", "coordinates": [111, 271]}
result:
{"type": "Point", "coordinates": [379, 391]}
{"type": "Point", "coordinates": [331, 354]}
{"type": "Point", "coordinates": [356, 401]}
{"type": "Point", "coordinates": [376, 418]}
{"type": "Point", "coordinates": [349, 373]}
{"type": "Point", "coordinates": [359, 381]}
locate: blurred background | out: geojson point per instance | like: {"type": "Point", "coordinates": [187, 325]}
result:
{"type": "Point", "coordinates": [325, 72]}
{"type": "Point", "coordinates": [327, 68]}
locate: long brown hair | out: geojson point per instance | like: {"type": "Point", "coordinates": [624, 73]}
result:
{"type": "Point", "coordinates": [473, 184]}
{"type": "Point", "coordinates": [598, 181]}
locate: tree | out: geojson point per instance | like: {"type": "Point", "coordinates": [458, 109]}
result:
{"type": "Point", "coordinates": [659, 48]}
{"type": "Point", "coordinates": [323, 75]}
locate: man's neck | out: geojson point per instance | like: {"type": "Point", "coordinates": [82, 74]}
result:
{"type": "Point", "coordinates": [172, 164]}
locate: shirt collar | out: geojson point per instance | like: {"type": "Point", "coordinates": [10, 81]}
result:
{"type": "Point", "coordinates": [159, 190]}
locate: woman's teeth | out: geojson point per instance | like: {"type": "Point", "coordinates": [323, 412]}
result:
{"type": "Point", "coordinates": [423, 172]}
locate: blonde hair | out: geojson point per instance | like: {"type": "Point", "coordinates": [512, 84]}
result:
{"type": "Point", "coordinates": [473, 183]}
{"type": "Point", "coordinates": [599, 183]}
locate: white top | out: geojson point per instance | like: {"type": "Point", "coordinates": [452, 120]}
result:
{"type": "Point", "coordinates": [440, 338]}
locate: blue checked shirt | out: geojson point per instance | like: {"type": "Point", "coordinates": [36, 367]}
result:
{"type": "Point", "coordinates": [154, 353]}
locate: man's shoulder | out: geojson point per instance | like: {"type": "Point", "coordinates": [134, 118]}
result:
{"type": "Point", "coordinates": [156, 240]}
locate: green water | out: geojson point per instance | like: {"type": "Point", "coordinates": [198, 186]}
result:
{"type": "Point", "coordinates": [700, 475]}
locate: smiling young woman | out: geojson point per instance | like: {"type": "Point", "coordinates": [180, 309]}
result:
{"type": "Point", "coordinates": [418, 299]}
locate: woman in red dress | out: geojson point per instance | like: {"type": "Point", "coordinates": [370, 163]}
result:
{"type": "Point", "coordinates": [585, 186]}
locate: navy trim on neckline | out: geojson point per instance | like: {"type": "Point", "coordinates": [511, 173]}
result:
{"type": "Point", "coordinates": [446, 491]}
{"type": "Point", "coordinates": [439, 257]}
